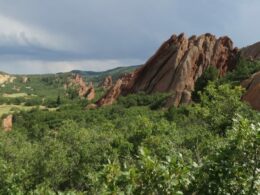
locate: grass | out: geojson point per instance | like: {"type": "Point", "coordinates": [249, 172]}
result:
{"type": "Point", "coordinates": [5, 109]}
{"type": "Point", "coordinates": [15, 95]}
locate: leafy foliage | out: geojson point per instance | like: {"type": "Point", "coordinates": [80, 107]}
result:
{"type": "Point", "coordinates": [234, 168]}
{"type": "Point", "coordinates": [210, 74]}
{"type": "Point", "coordinates": [133, 147]}
{"type": "Point", "coordinates": [244, 69]}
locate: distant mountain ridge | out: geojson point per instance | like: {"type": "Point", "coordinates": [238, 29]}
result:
{"type": "Point", "coordinates": [94, 76]}
{"type": "Point", "coordinates": [115, 73]}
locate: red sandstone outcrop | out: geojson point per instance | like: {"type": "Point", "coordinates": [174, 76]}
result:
{"type": "Point", "coordinates": [84, 90]}
{"type": "Point", "coordinates": [111, 95]}
{"type": "Point", "coordinates": [7, 123]}
{"type": "Point", "coordinates": [122, 85]}
{"type": "Point", "coordinates": [90, 95]}
{"type": "Point", "coordinates": [107, 83]}
{"type": "Point", "coordinates": [252, 95]}
{"type": "Point", "coordinates": [176, 66]}
{"type": "Point", "coordinates": [251, 52]}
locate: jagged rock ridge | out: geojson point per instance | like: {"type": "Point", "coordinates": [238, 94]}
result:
{"type": "Point", "coordinates": [176, 66]}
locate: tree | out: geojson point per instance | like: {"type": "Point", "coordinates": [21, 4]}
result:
{"type": "Point", "coordinates": [234, 168]}
{"type": "Point", "coordinates": [219, 104]}
{"type": "Point", "coordinates": [210, 74]}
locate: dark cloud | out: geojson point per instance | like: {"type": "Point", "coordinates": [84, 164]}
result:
{"type": "Point", "coordinates": [78, 30]}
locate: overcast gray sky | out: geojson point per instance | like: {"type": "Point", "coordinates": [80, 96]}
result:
{"type": "Point", "coordinates": [39, 36]}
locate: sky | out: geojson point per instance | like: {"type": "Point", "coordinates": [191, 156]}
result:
{"type": "Point", "coordinates": [51, 36]}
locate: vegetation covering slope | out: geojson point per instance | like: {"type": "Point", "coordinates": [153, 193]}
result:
{"type": "Point", "coordinates": [44, 90]}
{"type": "Point", "coordinates": [99, 76]}
{"type": "Point", "coordinates": [135, 146]}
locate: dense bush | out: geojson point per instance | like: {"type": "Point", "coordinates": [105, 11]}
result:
{"type": "Point", "coordinates": [234, 167]}
{"type": "Point", "coordinates": [210, 74]}
{"type": "Point", "coordinates": [209, 147]}
{"type": "Point", "coordinates": [141, 99]}
{"type": "Point", "coordinates": [244, 69]}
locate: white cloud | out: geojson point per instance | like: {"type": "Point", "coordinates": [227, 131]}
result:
{"type": "Point", "coordinates": [16, 33]}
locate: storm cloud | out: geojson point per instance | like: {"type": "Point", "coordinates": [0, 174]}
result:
{"type": "Point", "coordinates": [59, 35]}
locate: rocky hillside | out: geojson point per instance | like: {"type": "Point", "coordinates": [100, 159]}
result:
{"type": "Point", "coordinates": [176, 66]}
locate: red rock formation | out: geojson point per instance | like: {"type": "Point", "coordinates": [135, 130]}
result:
{"type": "Point", "coordinates": [107, 83]}
{"type": "Point", "coordinates": [113, 93]}
{"type": "Point", "coordinates": [90, 95]}
{"type": "Point", "coordinates": [7, 123]}
{"type": "Point", "coordinates": [79, 82]}
{"type": "Point", "coordinates": [251, 52]}
{"type": "Point", "coordinates": [252, 95]}
{"type": "Point", "coordinates": [176, 66]}
{"type": "Point", "coordinates": [84, 90]}
{"type": "Point", "coordinates": [121, 86]}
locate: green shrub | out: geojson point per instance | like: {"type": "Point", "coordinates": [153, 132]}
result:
{"type": "Point", "coordinates": [155, 101]}
{"type": "Point", "coordinates": [210, 74]}
{"type": "Point", "coordinates": [244, 69]}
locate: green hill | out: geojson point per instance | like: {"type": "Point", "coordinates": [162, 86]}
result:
{"type": "Point", "coordinates": [99, 76]}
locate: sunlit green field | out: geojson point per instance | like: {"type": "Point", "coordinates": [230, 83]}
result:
{"type": "Point", "coordinates": [5, 109]}
{"type": "Point", "coordinates": [15, 95]}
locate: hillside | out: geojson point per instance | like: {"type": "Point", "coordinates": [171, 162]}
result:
{"type": "Point", "coordinates": [99, 76]}
{"type": "Point", "coordinates": [44, 89]}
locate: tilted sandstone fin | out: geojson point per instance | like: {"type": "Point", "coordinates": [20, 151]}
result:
{"type": "Point", "coordinates": [176, 66]}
